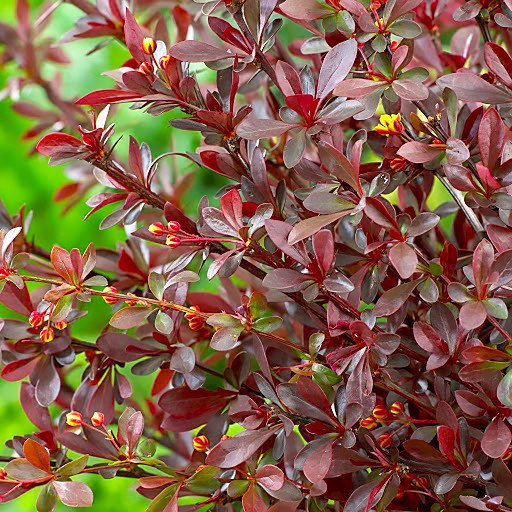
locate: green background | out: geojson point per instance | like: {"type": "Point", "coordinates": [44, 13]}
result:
{"type": "Point", "coordinates": [30, 181]}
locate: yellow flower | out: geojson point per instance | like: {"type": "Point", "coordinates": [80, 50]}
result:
{"type": "Point", "coordinates": [98, 419]}
{"type": "Point", "coordinates": [149, 45]}
{"type": "Point", "coordinates": [107, 299]}
{"type": "Point", "coordinates": [74, 419]}
{"type": "Point", "coordinates": [390, 124]}
{"type": "Point", "coordinates": [201, 443]}
{"type": "Point", "coordinates": [46, 334]}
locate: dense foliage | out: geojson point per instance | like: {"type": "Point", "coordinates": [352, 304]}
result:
{"type": "Point", "coordinates": [357, 354]}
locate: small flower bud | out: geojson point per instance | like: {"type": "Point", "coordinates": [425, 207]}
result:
{"type": "Point", "coordinates": [164, 61]}
{"type": "Point", "coordinates": [149, 45]}
{"type": "Point", "coordinates": [157, 229]}
{"type": "Point", "coordinates": [110, 300]}
{"type": "Point", "coordinates": [385, 440]}
{"type": "Point", "coordinates": [3, 473]}
{"type": "Point", "coordinates": [394, 45]}
{"type": "Point", "coordinates": [507, 455]}
{"type": "Point", "coordinates": [369, 423]}
{"type": "Point", "coordinates": [380, 412]}
{"type": "Point", "coordinates": [98, 419]}
{"type": "Point", "coordinates": [74, 419]}
{"type": "Point", "coordinates": [196, 324]}
{"type": "Point", "coordinates": [421, 482]}
{"type": "Point", "coordinates": [173, 226]}
{"type": "Point", "coordinates": [146, 68]}
{"type": "Point", "coordinates": [47, 334]}
{"type": "Point", "coordinates": [189, 316]}
{"type": "Point", "coordinates": [397, 409]}
{"type": "Point", "coordinates": [36, 318]}
{"type": "Point", "coordinates": [60, 325]}
{"type": "Point", "coordinates": [398, 164]}
{"type": "Point", "coordinates": [224, 437]}
{"type": "Point", "coordinates": [201, 443]}
{"type": "Point", "coordinates": [172, 241]}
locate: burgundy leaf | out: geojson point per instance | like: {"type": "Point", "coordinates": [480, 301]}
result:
{"type": "Point", "coordinates": [335, 67]}
{"type": "Point", "coordinates": [235, 450]}
{"type": "Point", "coordinates": [497, 438]}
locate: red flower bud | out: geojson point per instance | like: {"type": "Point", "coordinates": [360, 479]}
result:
{"type": "Point", "coordinates": [74, 419]}
{"type": "Point", "coordinates": [385, 440]}
{"type": "Point", "coordinates": [98, 419]}
{"type": "Point", "coordinates": [397, 409]}
{"type": "Point", "coordinates": [369, 423]}
{"type": "Point", "coordinates": [157, 229]}
{"type": "Point", "coordinates": [173, 226]}
{"type": "Point", "coordinates": [47, 334]}
{"type": "Point", "coordinates": [201, 443]}
{"type": "Point", "coordinates": [146, 68]}
{"type": "Point", "coordinates": [507, 455]}
{"type": "Point", "coordinates": [172, 241]}
{"type": "Point", "coordinates": [421, 482]}
{"type": "Point", "coordinates": [380, 412]}
{"type": "Point", "coordinates": [224, 437]}
{"type": "Point", "coordinates": [60, 325]}
{"type": "Point", "coordinates": [196, 324]}
{"type": "Point", "coordinates": [36, 318]}
{"type": "Point", "coordinates": [189, 316]}
{"type": "Point", "coordinates": [149, 45]}
{"type": "Point", "coordinates": [398, 164]}
{"type": "Point", "coordinates": [164, 61]}
{"type": "Point", "coordinates": [110, 300]}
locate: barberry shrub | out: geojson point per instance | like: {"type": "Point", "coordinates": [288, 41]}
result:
{"type": "Point", "coordinates": [356, 354]}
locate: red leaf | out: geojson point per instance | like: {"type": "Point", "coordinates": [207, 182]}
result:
{"type": "Point", "coordinates": [17, 370]}
{"type": "Point", "coordinates": [470, 87]}
{"type": "Point", "coordinates": [323, 243]}
{"type": "Point", "coordinates": [133, 37]}
{"type": "Point", "coordinates": [235, 450]}
{"type": "Point", "coordinates": [197, 51]}
{"type": "Point", "coordinates": [252, 128]}
{"type": "Point", "coordinates": [270, 477]}
{"type": "Point", "coordinates": [318, 463]}
{"type": "Point", "coordinates": [377, 212]}
{"type": "Point", "coordinates": [497, 438]}
{"type": "Point", "coordinates": [410, 89]}
{"type": "Point", "coordinates": [74, 494]}
{"type": "Point", "coordinates": [336, 66]}
{"type": "Point", "coordinates": [446, 439]}
{"type": "Point", "coordinates": [134, 428]}
{"type": "Point", "coordinates": [37, 455]}
{"type": "Point", "coordinates": [419, 153]}
{"type": "Point", "coordinates": [357, 87]}
{"type": "Point", "coordinates": [231, 207]}
{"type": "Point", "coordinates": [129, 317]}
{"type": "Point", "coordinates": [392, 300]}
{"type": "Point", "coordinates": [472, 315]}
{"type": "Point", "coordinates": [499, 62]}
{"type": "Point", "coordinates": [54, 143]}
{"type": "Point", "coordinates": [188, 409]}
{"type": "Point", "coordinates": [252, 501]}
{"type": "Point", "coordinates": [106, 96]}
{"type": "Point", "coordinates": [491, 136]}
{"type": "Point", "coordinates": [403, 258]}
